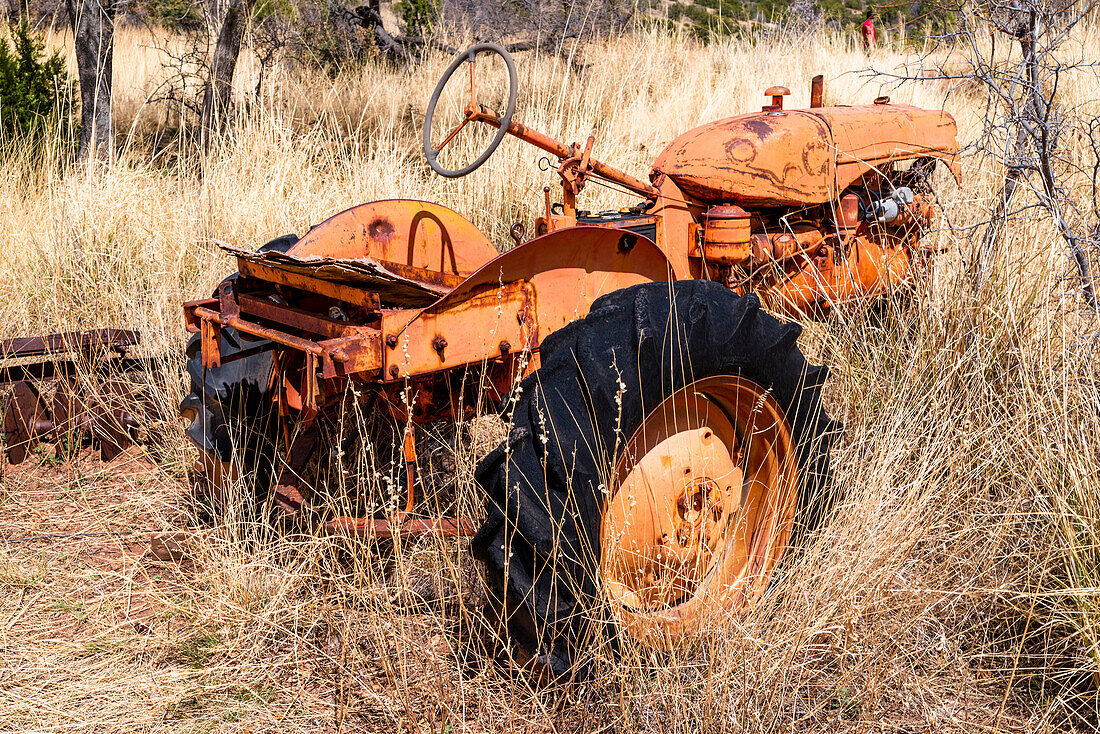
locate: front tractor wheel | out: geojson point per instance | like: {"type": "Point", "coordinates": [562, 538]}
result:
{"type": "Point", "coordinates": [656, 466]}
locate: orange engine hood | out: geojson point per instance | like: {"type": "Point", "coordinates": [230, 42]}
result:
{"type": "Point", "coordinates": [802, 157]}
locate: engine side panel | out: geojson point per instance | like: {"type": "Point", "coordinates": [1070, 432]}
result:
{"type": "Point", "coordinates": [871, 136]}
{"type": "Point", "coordinates": [753, 160]}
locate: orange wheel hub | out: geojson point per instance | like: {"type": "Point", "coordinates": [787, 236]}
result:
{"type": "Point", "coordinates": [700, 510]}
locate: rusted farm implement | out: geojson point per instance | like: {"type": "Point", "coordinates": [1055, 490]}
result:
{"type": "Point", "coordinates": [91, 400]}
{"type": "Point", "coordinates": [665, 431]}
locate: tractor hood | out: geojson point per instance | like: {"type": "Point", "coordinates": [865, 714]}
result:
{"type": "Point", "coordinates": [802, 157]}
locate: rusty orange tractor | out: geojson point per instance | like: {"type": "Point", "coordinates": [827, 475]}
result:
{"type": "Point", "coordinates": [664, 431]}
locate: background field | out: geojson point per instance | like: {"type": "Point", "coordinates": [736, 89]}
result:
{"type": "Point", "coordinates": [954, 589]}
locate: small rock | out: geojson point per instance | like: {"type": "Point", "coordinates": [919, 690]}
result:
{"type": "Point", "coordinates": [169, 546]}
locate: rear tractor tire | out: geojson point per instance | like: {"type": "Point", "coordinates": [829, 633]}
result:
{"type": "Point", "coordinates": [232, 413]}
{"type": "Point", "coordinates": [653, 473]}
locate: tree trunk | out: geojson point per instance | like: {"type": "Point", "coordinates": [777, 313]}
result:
{"type": "Point", "coordinates": [93, 40]}
{"type": "Point", "coordinates": [219, 86]}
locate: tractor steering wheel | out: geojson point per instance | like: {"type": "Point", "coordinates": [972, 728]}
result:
{"type": "Point", "coordinates": [473, 110]}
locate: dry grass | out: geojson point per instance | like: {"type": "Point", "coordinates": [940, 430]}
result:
{"type": "Point", "coordinates": [954, 589]}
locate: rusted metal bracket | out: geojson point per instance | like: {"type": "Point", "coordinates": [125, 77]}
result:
{"type": "Point", "coordinates": [359, 351]}
{"type": "Point", "coordinates": [288, 497]}
{"type": "Point", "coordinates": [71, 341]}
{"type": "Point", "coordinates": [409, 527]}
{"type": "Point", "coordinates": [286, 493]}
{"type": "Point", "coordinates": [409, 446]}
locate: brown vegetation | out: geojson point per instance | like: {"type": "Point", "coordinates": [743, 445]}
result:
{"type": "Point", "coordinates": [954, 588]}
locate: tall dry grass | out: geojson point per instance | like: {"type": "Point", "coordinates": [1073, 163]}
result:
{"type": "Point", "coordinates": [955, 587]}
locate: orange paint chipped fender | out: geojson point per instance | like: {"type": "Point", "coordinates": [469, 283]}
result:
{"type": "Point", "coordinates": [520, 297]}
{"type": "Point", "coordinates": [416, 233]}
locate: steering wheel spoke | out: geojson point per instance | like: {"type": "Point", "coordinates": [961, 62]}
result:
{"type": "Point", "coordinates": [474, 111]}
{"type": "Point", "coordinates": [452, 135]}
{"type": "Point", "coordinates": [473, 81]}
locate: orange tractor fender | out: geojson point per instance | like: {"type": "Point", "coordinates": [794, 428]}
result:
{"type": "Point", "coordinates": [419, 234]}
{"type": "Point", "coordinates": [517, 299]}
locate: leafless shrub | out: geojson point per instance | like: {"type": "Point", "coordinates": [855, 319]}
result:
{"type": "Point", "coordinates": [179, 90]}
{"type": "Point", "coordinates": [802, 18]}
{"type": "Point", "coordinates": [1016, 55]}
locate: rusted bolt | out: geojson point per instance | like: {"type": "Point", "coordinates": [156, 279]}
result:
{"type": "Point", "coordinates": [505, 347]}
{"type": "Point", "coordinates": [692, 502]}
{"type": "Point", "coordinates": [339, 355]}
{"type": "Point", "coordinates": [394, 372]}
{"type": "Point", "coordinates": [439, 344]}
{"type": "Point", "coordinates": [391, 341]}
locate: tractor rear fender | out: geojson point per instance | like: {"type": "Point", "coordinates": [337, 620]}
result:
{"type": "Point", "coordinates": [517, 299]}
{"type": "Point", "coordinates": [403, 231]}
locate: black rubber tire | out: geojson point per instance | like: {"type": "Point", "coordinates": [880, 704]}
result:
{"type": "Point", "coordinates": [233, 414]}
{"type": "Point", "coordinates": [541, 541]}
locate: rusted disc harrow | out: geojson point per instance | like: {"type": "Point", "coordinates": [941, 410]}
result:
{"type": "Point", "coordinates": [90, 402]}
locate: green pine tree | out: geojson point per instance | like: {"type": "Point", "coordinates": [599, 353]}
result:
{"type": "Point", "coordinates": [34, 89]}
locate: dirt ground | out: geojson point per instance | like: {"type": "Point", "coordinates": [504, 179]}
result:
{"type": "Point", "coordinates": [110, 618]}
{"type": "Point", "coordinates": [119, 613]}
